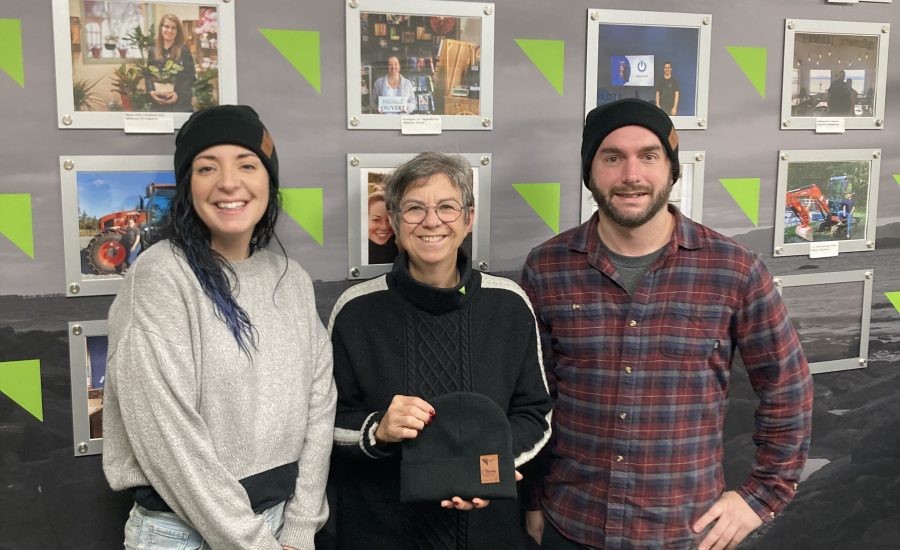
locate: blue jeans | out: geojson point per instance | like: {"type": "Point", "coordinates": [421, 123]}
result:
{"type": "Point", "coordinates": [149, 530]}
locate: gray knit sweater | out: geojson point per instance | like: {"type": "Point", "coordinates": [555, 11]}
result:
{"type": "Point", "coordinates": [188, 414]}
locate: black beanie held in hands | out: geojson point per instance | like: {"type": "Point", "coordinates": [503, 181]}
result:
{"type": "Point", "coordinates": [466, 451]}
{"type": "Point", "coordinates": [606, 118]}
{"type": "Point", "coordinates": [224, 124]}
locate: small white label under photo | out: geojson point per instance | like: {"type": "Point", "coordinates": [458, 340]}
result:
{"type": "Point", "coordinates": [416, 124]}
{"type": "Point", "coordinates": [843, 1]}
{"type": "Point", "coordinates": [149, 123]}
{"type": "Point", "coordinates": [830, 125]}
{"type": "Point", "coordinates": [824, 250]}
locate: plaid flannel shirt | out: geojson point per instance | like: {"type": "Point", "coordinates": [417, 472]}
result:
{"type": "Point", "coordinates": [641, 382]}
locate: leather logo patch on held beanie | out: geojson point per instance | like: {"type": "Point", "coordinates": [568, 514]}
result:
{"type": "Point", "coordinates": [224, 124]}
{"type": "Point", "coordinates": [606, 118]}
{"type": "Point", "coordinates": [466, 451]}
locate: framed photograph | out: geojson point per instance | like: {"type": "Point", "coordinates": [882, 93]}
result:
{"type": "Point", "coordinates": [662, 58]}
{"type": "Point", "coordinates": [835, 74]}
{"type": "Point", "coordinates": [429, 60]}
{"type": "Point", "coordinates": [827, 202]}
{"type": "Point", "coordinates": [87, 368]}
{"type": "Point", "coordinates": [371, 246]}
{"type": "Point", "coordinates": [686, 194]}
{"type": "Point", "coordinates": [142, 66]}
{"type": "Point", "coordinates": [113, 208]}
{"type": "Point", "coordinates": [831, 314]}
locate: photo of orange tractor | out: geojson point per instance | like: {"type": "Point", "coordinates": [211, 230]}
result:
{"type": "Point", "coordinates": [817, 213]}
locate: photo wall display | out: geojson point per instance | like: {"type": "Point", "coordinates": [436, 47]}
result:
{"type": "Point", "coordinates": [371, 240]}
{"type": "Point", "coordinates": [827, 202]}
{"type": "Point", "coordinates": [686, 193]}
{"type": "Point", "coordinates": [835, 75]}
{"type": "Point", "coordinates": [87, 370]}
{"type": "Point", "coordinates": [662, 58]}
{"type": "Point", "coordinates": [831, 313]}
{"type": "Point", "coordinates": [113, 208]}
{"type": "Point", "coordinates": [432, 60]}
{"type": "Point", "coordinates": [142, 66]}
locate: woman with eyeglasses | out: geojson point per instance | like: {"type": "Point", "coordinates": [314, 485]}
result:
{"type": "Point", "coordinates": [431, 326]}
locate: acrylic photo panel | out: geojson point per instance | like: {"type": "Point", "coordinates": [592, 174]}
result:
{"type": "Point", "coordinates": [686, 193]}
{"type": "Point", "coordinates": [87, 368]}
{"type": "Point", "coordinates": [410, 61]}
{"type": "Point", "coordinates": [835, 75]}
{"type": "Point", "coordinates": [114, 207]}
{"type": "Point", "coordinates": [827, 202]}
{"type": "Point", "coordinates": [831, 314]}
{"type": "Point", "coordinates": [371, 249]}
{"type": "Point", "coordinates": [143, 66]}
{"type": "Point", "coordinates": [662, 58]}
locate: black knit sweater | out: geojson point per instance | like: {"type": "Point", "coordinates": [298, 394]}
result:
{"type": "Point", "coordinates": [393, 335]}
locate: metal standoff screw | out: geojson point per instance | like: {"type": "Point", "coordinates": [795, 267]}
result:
{"type": "Point", "coordinates": [862, 362]}
{"type": "Point", "coordinates": [354, 121]}
{"type": "Point", "coordinates": [485, 160]}
{"type": "Point", "coordinates": [869, 274]}
{"type": "Point", "coordinates": [488, 10]}
{"type": "Point", "coordinates": [876, 154]}
{"type": "Point", "coordinates": [595, 16]}
{"type": "Point", "coordinates": [486, 122]}
{"type": "Point", "coordinates": [791, 25]}
{"type": "Point", "coordinates": [777, 281]}
{"type": "Point", "coordinates": [886, 28]}
{"type": "Point", "coordinates": [74, 288]}
{"type": "Point", "coordinates": [786, 122]}
{"type": "Point", "coordinates": [76, 330]}
{"type": "Point", "coordinates": [354, 272]}
{"type": "Point", "coordinates": [82, 447]}
{"type": "Point", "coordinates": [879, 122]}
{"type": "Point", "coordinates": [483, 266]}
{"type": "Point", "coordinates": [701, 122]}
{"type": "Point", "coordinates": [785, 156]}
{"type": "Point", "coordinates": [778, 251]}
{"type": "Point", "coordinates": [68, 164]}
{"type": "Point", "coordinates": [354, 4]}
{"type": "Point", "coordinates": [354, 161]}
{"type": "Point", "coordinates": [706, 20]}
{"type": "Point", "coordinates": [67, 120]}
{"type": "Point", "coordinates": [698, 157]}
{"type": "Point", "coordinates": [870, 244]}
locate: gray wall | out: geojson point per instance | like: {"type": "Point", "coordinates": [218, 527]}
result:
{"type": "Point", "coordinates": [47, 496]}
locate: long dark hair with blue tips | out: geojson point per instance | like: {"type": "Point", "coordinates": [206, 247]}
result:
{"type": "Point", "coordinates": [192, 237]}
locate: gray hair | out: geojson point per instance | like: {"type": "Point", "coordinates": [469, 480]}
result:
{"type": "Point", "coordinates": [418, 170]}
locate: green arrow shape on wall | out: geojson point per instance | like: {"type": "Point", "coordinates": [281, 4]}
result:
{"type": "Point", "coordinates": [305, 207]}
{"type": "Point", "coordinates": [301, 49]}
{"type": "Point", "coordinates": [897, 178]}
{"type": "Point", "coordinates": [894, 298]}
{"type": "Point", "coordinates": [11, 60]}
{"type": "Point", "coordinates": [543, 199]}
{"type": "Point", "coordinates": [752, 61]}
{"type": "Point", "coordinates": [21, 382]}
{"type": "Point", "coordinates": [549, 56]}
{"type": "Point", "coordinates": [15, 221]}
{"type": "Point", "coordinates": [745, 192]}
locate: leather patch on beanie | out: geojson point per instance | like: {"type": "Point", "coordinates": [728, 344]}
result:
{"type": "Point", "coordinates": [490, 469]}
{"type": "Point", "coordinates": [267, 145]}
{"type": "Point", "coordinates": [673, 139]}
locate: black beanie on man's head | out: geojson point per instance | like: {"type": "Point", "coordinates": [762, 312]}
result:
{"type": "Point", "coordinates": [606, 118]}
{"type": "Point", "coordinates": [466, 451]}
{"type": "Point", "coordinates": [224, 124]}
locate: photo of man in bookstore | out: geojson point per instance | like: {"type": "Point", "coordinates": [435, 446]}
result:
{"type": "Point", "coordinates": [834, 75]}
{"type": "Point", "coordinates": [417, 64]}
{"type": "Point", "coordinates": [143, 56]}
{"type": "Point", "coordinates": [95, 361]}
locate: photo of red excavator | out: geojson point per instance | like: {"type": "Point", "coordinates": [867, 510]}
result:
{"type": "Point", "coordinates": [817, 213]}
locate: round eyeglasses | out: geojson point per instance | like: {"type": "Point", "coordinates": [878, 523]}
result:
{"type": "Point", "coordinates": [447, 211]}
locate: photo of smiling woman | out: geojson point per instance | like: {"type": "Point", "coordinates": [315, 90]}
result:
{"type": "Point", "coordinates": [171, 73]}
{"type": "Point", "coordinates": [431, 326]}
{"type": "Point", "coordinates": [219, 402]}
{"type": "Point", "coordinates": [382, 247]}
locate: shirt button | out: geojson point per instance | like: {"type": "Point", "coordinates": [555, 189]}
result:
{"type": "Point", "coordinates": [772, 515]}
{"type": "Point", "coordinates": [628, 370]}
{"type": "Point", "coordinates": [623, 416]}
{"type": "Point", "coordinates": [576, 307]}
{"type": "Point", "coordinates": [619, 458]}
{"type": "Point", "coordinates": [632, 323]}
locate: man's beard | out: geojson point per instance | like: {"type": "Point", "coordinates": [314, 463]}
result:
{"type": "Point", "coordinates": [631, 220]}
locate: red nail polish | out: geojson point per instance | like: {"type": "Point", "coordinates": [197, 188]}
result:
{"type": "Point", "coordinates": [431, 412]}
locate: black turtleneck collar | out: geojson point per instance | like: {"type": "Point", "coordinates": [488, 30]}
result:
{"type": "Point", "coordinates": [429, 298]}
